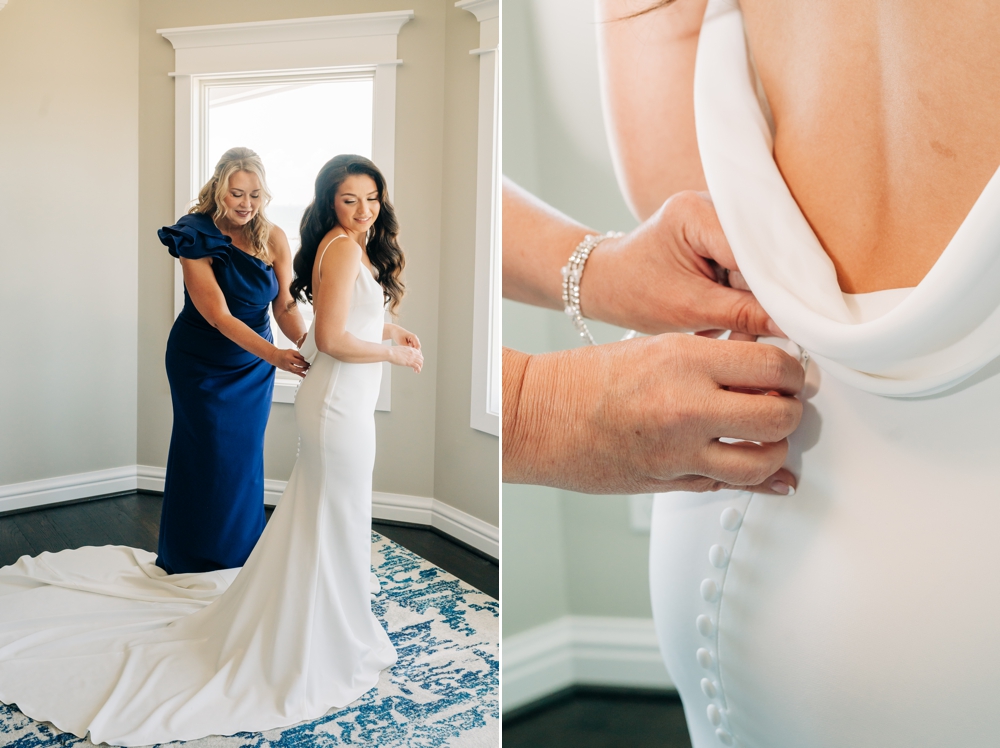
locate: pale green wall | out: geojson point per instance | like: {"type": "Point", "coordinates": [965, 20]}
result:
{"type": "Point", "coordinates": [535, 588]}
{"type": "Point", "coordinates": [425, 445]}
{"type": "Point", "coordinates": [68, 204]}
{"type": "Point", "coordinates": [553, 538]}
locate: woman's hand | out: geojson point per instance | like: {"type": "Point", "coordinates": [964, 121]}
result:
{"type": "Point", "coordinates": [404, 355]}
{"type": "Point", "coordinates": [647, 415]}
{"type": "Point", "coordinates": [288, 360]}
{"type": "Point", "coordinates": [401, 336]}
{"type": "Point", "coordinates": [664, 276]}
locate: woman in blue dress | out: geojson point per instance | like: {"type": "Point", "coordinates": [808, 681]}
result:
{"type": "Point", "coordinates": [220, 364]}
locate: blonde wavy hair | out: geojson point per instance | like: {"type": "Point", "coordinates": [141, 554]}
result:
{"type": "Point", "coordinates": [210, 198]}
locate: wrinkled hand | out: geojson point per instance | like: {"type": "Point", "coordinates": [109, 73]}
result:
{"type": "Point", "coordinates": [647, 415]}
{"type": "Point", "coordinates": [289, 360]}
{"type": "Point", "coordinates": [404, 355]}
{"type": "Point", "coordinates": [662, 276]}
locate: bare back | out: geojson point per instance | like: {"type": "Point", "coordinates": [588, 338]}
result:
{"type": "Point", "coordinates": [886, 118]}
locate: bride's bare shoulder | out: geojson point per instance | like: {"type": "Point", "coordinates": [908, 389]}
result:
{"type": "Point", "coordinates": [885, 141]}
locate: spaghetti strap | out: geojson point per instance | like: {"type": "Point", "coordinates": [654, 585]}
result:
{"type": "Point", "coordinates": [322, 252]}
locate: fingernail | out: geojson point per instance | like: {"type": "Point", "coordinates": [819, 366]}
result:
{"type": "Point", "coordinates": [775, 330]}
{"type": "Point", "coordinates": [779, 486]}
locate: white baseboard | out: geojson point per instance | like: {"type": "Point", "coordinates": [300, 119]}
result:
{"type": "Point", "coordinates": [463, 526]}
{"type": "Point", "coordinates": [66, 488]}
{"type": "Point", "coordinates": [149, 478]}
{"type": "Point", "coordinates": [581, 650]}
{"type": "Point", "coordinates": [419, 510]}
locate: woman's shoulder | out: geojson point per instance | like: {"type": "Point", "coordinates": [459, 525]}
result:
{"type": "Point", "coordinates": [277, 243]}
{"type": "Point", "coordinates": [336, 242]}
{"type": "Point", "coordinates": [277, 238]}
{"type": "Point", "coordinates": [195, 236]}
{"type": "Point", "coordinates": [337, 253]}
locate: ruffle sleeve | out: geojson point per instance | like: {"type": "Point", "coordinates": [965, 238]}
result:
{"type": "Point", "coordinates": [195, 236]}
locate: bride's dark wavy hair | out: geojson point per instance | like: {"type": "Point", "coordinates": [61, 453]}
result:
{"type": "Point", "coordinates": [320, 218]}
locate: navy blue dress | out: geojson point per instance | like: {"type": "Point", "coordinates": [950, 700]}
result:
{"type": "Point", "coordinates": [213, 497]}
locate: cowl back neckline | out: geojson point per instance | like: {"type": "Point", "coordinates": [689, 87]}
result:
{"type": "Point", "coordinates": [908, 343]}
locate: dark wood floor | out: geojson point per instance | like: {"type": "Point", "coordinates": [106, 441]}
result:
{"type": "Point", "coordinates": [134, 519]}
{"type": "Point", "coordinates": [470, 566]}
{"type": "Point", "coordinates": [599, 718]}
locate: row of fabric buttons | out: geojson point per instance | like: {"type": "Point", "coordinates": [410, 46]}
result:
{"type": "Point", "coordinates": [707, 622]}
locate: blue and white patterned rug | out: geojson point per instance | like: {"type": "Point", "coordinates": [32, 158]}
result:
{"type": "Point", "coordinates": [443, 690]}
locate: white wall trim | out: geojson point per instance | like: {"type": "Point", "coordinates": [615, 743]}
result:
{"type": "Point", "coordinates": [484, 412]}
{"type": "Point", "coordinates": [581, 650]}
{"type": "Point", "coordinates": [420, 510]}
{"type": "Point", "coordinates": [288, 30]}
{"type": "Point", "coordinates": [67, 488]}
{"type": "Point", "coordinates": [483, 10]}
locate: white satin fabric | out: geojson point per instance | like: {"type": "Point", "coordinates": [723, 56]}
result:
{"type": "Point", "coordinates": [103, 640]}
{"type": "Point", "coordinates": [864, 610]}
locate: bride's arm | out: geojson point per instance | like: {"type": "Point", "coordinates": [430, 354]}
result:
{"type": "Point", "coordinates": [339, 268]}
{"type": "Point", "coordinates": [647, 88]}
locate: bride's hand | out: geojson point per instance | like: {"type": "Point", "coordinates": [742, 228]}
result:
{"type": "Point", "coordinates": [288, 360]}
{"type": "Point", "coordinates": [404, 355]}
{"type": "Point", "coordinates": [401, 336]}
{"type": "Point", "coordinates": [664, 276]}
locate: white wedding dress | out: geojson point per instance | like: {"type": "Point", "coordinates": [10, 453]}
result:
{"type": "Point", "coordinates": [103, 640]}
{"type": "Point", "coordinates": [864, 611]}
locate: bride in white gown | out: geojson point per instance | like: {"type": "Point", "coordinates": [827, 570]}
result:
{"type": "Point", "coordinates": [863, 611]}
{"type": "Point", "coordinates": [102, 640]}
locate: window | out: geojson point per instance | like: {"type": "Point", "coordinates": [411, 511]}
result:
{"type": "Point", "coordinates": [486, 382]}
{"type": "Point", "coordinates": [277, 87]}
{"type": "Point", "coordinates": [295, 124]}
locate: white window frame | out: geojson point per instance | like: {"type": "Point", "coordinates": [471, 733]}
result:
{"type": "Point", "coordinates": [486, 345]}
{"type": "Point", "coordinates": [327, 45]}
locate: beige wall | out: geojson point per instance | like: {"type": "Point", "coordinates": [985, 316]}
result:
{"type": "Point", "coordinates": [425, 445]}
{"type": "Point", "coordinates": [68, 203]}
{"type": "Point", "coordinates": [86, 149]}
{"type": "Point", "coordinates": [466, 461]}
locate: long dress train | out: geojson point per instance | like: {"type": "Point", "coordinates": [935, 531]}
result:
{"type": "Point", "coordinates": [103, 640]}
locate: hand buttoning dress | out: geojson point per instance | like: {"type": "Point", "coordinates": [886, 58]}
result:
{"type": "Point", "coordinates": [103, 640]}
{"type": "Point", "coordinates": [862, 612]}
